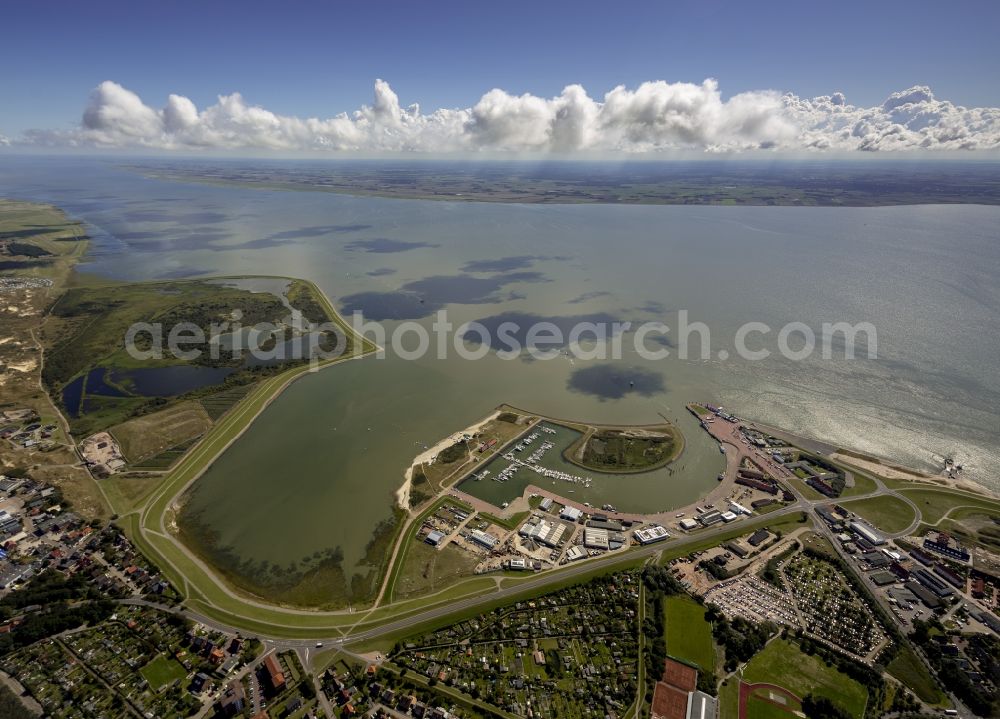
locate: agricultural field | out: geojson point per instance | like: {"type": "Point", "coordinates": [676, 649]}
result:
{"type": "Point", "coordinates": [783, 663]}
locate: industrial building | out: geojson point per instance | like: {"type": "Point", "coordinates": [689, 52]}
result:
{"type": "Point", "coordinates": [707, 519]}
{"type": "Point", "coordinates": [650, 534]}
{"type": "Point", "coordinates": [570, 514]}
{"type": "Point", "coordinates": [867, 533]}
{"type": "Point", "coordinates": [949, 576]}
{"type": "Point", "coordinates": [543, 531]}
{"type": "Point", "coordinates": [758, 537]}
{"type": "Point", "coordinates": [738, 549]}
{"type": "Point", "coordinates": [739, 508]}
{"type": "Point", "coordinates": [595, 538]}
{"type": "Point", "coordinates": [434, 538]}
{"type": "Point", "coordinates": [728, 517]}
{"type": "Point", "coordinates": [517, 563]}
{"type": "Point", "coordinates": [928, 598]}
{"type": "Point", "coordinates": [546, 504]}
{"type": "Point", "coordinates": [935, 585]}
{"type": "Point", "coordinates": [688, 524]}
{"type": "Point", "coordinates": [611, 525]}
{"type": "Point", "coordinates": [575, 553]}
{"type": "Point", "coordinates": [484, 539]}
{"type": "Point", "coordinates": [943, 544]}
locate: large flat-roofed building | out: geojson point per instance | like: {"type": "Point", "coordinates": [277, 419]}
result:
{"type": "Point", "coordinates": [709, 518]}
{"type": "Point", "coordinates": [612, 525]}
{"type": "Point", "coordinates": [701, 706]}
{"type": "Point", "coordinates": [570, 514]}
{"type": "Point", "coordinates": [688, 524]}
{"type": "Point", "coordinates": [543, 531]}
{"type": "Point", "coordinates": [483, 539]}
{"type": "Point", "coordinates": [867, 533]}
{"type": "Point", "coordinates": [575, 553]}
{"type": "Point", "coordinates": [546, 504]}
{"type": "Point", "coordinates": [649, 535]}
{"type": "Point", "coordinates": [677, 697]}
{"type": "Point", "coordinates": [434, 537]}
{"type": "Point", "coordinates": [595, 538]}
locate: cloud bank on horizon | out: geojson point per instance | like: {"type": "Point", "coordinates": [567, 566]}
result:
{"type": "Point", "coordinates": [655, 117]}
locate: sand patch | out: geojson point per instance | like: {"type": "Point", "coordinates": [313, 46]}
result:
{"type": "Point", "coordinates": [403, 493]}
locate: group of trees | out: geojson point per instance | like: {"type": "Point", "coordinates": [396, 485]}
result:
{"type": "Point", "coordinates": [819, 707]}
{"type": "Point", "coordinates": [739, 638]}
{"type": "Point", "coordinates": [869, 677]}
{"type": "Point", "coordinates": [929, 635]}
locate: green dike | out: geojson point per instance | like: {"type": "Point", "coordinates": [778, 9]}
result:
{"type": "Point", "coordinates": [148, 533]}
{"type": "Point", "coordinates": [278, 622]}
{"type": "Point", "coordinates": [404, 549]}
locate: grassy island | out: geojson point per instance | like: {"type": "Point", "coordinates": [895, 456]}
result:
{"type": "Point", "coordinates": [626, 449]}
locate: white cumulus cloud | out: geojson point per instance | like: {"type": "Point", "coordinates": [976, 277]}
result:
{"type": "Point", "coordinates": [651, 118]}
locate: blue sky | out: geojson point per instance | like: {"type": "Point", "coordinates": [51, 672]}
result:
{"type": "Point", "coordinates": [317, 59]}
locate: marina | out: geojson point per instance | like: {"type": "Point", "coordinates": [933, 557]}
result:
{"type": "Point", "coordinates": [537, 458]}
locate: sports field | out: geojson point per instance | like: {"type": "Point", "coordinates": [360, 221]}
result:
{"type": "Point", "coordinates": [783, 663]}
{"type": "Point", "coordinates": [688, 635]}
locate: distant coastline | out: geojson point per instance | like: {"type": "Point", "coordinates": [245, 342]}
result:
{"type": "Point", "coordinates": [808, 184]}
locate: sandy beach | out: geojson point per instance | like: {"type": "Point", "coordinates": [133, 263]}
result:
{"type": "Point", "coordinates": [885, 471]}
{"type": "Point", "coordinates": [403, 493]}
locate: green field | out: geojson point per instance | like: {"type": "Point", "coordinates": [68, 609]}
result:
{"type": "Point", "coordinates": [862, 485]}
{"type": "Point", "coordinates": [429, 569]}
{"type": "Point", "coordinates": [162, 671]}
{"type": "Point", "coordinates": [934, 504]}
{"type": "Point", "coordinates": [782, 663]}
{"type": "Point", "coordinates": [907, 668]}
{"type": "Point", "coordinates": [887, 513]}
{"type": "Point", "coordinates": [688, 635]}
{"type": "Point", "coordinates": [626, 450]}
{"type": "Point", "coordinates": [758, 708]}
